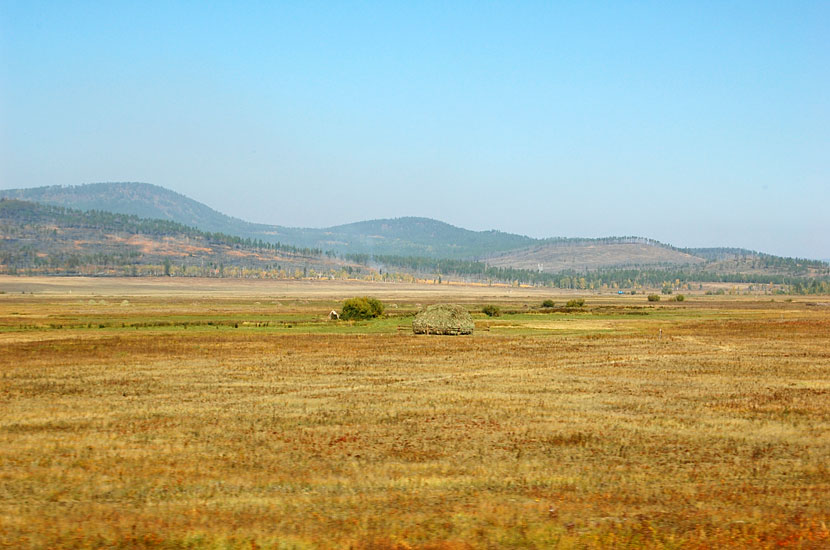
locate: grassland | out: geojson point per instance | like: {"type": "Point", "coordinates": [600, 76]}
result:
{"type": "Point", "coordinates": [215, 414]}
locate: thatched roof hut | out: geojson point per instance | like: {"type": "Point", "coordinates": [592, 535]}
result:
{"type": "Point", "coordinates": [443, 319]}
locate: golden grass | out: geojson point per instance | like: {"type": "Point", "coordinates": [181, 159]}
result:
{"type": "Point", "coordinates": [600, 436]}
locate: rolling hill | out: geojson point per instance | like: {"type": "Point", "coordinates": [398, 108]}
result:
{"type": "Point", "coordinates": [401, 236]}
{"type": "Point", "coordinates": [592, 254]}
{"type": "Point", "coordinates": [138, 199]}
{"type": "Point", "coordinates": [418, 244]}
{"type": "Point", "coordinates": [40, 239]}
{"type": "Point", "coordinates": [45, 239]}
{"type": "Point", "coordinates": [413, 236]}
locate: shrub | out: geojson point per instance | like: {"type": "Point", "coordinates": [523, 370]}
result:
{"type": "Point", "coordinates": [653, 298]}
{"type": "Point", "coordinates": [363, 307]}
{"type": "Point", "coordinates": [491, 310]}
{"type": "Point", "coordinates": [666, 289]}
{"type": "Point", "coordinates": [548, 303]}
{"type": "Point", "coordinates": [679, 298]}
{"type": "Point", "coordinates": [576, 302]}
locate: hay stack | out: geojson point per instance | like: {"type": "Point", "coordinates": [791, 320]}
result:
{"type": "Point", "coordinates": [443, 319]}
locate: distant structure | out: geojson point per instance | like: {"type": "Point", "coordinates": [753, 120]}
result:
{"type": "Point", "coordinates": [443, 319]}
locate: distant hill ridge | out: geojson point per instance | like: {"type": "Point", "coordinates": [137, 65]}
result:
{"type": "Point", "coordinates": [138, 199]}
{"type": "Point", "coordinates": [36, 238]}
{"type": "Point", "coordinates": [47, 239]}
{"type": "Point", "coordinates": [582, 255]}
{"type": "Point", "coordinates": [404, 237]}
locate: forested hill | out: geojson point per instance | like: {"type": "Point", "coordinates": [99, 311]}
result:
{"type": "Point", "coordinates": [407, 236]}
{"type": "Point", "coordinates": [44, 239]}
{"type": "Point", "coordinates": [401, 236]}
{"type": "Point", "coordinates": [411, 236]}
{"type": "Point", "coordinates": [138, 199]}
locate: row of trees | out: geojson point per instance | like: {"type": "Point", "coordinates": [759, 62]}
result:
{"type": "Point", "coordinates": [89, 265]}
{"type": "Point", "coordinates": [810, 287]}
{"type": "Point", "coordinates": [605, 278]}
{"type": "Point", "coordinates": [759, 260]}
{"type": "Point", "coordinates": [134, 264]}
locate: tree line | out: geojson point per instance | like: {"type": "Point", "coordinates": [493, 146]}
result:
{"type": "Point", "coordinates": [613, 277]}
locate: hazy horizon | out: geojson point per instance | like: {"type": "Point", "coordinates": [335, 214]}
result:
{"type": "Point", "coordinates": [694, 125]}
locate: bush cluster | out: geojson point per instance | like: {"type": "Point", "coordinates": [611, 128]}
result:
{"type": "Point", "coordinates": [362, 307]}
{"type": "Point", "coordinates": [548, 303]}
{"type": "Point", "coordinates": [653, 298]}
{"type": "Point", "coordinates": [576, 302]}
{"type": "Point", "coordinates": [491, 311]}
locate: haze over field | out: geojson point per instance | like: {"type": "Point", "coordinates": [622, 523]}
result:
{"type": "Point", "coordinates": [697, 126]}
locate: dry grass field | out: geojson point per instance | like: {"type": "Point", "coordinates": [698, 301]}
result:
{"type": "Point", "coordinates": [206, 414]}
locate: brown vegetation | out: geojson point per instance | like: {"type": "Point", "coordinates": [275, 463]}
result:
{"type": "Point", "coordinates": [119, 431]}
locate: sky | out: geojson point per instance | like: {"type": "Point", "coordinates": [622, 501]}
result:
{"type": "Point", "coordinates": [697, 124]}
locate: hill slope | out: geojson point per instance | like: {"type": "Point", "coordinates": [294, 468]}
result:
{"type": "Point", "coordinates": [412, 236]}
{"type": "Point", "coordinates": [418, 237]}
{"type": "Point", "coordinates": [591, 254]}
{"type": "Point", "coordinates": [137, 199]}
{"type": "Point", "coordinates": [401, 236]}
{"type": "Point", "coordinates": [44, 239]}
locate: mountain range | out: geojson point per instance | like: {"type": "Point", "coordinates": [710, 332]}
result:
{"type": "Point", "coordinates": [401, 236]}
{"type": "Point", "coordinates": [39, 238]}
{"type": "Point", "coordinates": [394, 240]}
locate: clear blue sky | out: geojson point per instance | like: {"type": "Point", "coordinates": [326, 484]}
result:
{"type": "Point", "coordinates": [698, 124]}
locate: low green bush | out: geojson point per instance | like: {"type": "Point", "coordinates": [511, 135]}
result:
{"type": "Point", "coordinates": [653, 298]}
{"type": "Point", "coordinates": [491, 311]}
{"type": "Point", "coordinates": [576, 302]}
{"type": "Point", "coordinates": [679, 298]}
{"type": "Point", "coordinates": [548, 303]}
{"type": "Point", "coordinates": [362, 307]}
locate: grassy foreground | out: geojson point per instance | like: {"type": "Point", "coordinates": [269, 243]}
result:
{"type": "Point", "coordinates": [251, 422]}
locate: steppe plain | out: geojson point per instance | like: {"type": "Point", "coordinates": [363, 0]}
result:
{"type": "Point", "coordinates": [175, 413]}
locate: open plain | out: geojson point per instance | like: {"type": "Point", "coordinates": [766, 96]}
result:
{"type": "Point", "coordinates": [166, 413]}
